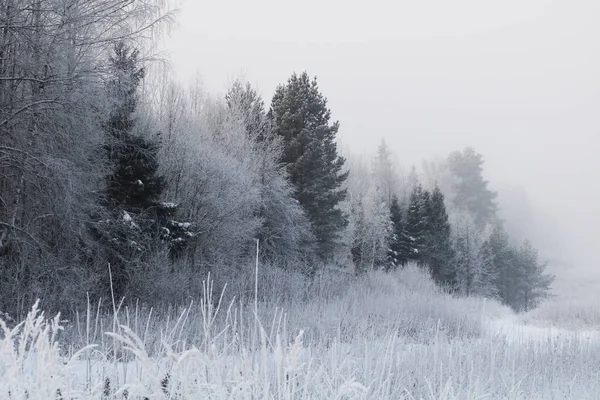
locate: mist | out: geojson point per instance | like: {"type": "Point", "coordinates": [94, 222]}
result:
{"type": "Point", "coordinates": [182, 215]}
{"type": "Point", "coordinates": [517, 81]}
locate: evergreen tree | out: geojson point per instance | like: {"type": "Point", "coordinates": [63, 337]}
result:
{"type": "Point", "coordinates": [503, 257]}
{"type": "Point", "coordinates": [471, 191]}
{"type": "Point", "coordinates": [399, 245]}
{"type": "Point", "coordinates": [134, 185]}
{"type": "Point", "coordinates": [301, 118]}
{"type": "Point", "coordinates": [534, 285]}
{"type": "Point", "coordinates": [466, 262]}
{"type": "Point", "coordinates": [383, 172]}
{"type": "Point", "coordinates": [357, 214]}
{"type": "Point", "coordinates": [285, 230]}
{"type": "Point", "coordinates": [415, 226]}
{"type": "Point", "coordinates": [438, 252]}
{"type": "Point", "coordinates": [487, 275]}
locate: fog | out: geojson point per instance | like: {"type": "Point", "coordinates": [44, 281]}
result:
{"type": "Point", "coordinates": [516, 80]}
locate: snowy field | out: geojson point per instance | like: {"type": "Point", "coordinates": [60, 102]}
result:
{"type": "Point", "coordinates": [387, 337]}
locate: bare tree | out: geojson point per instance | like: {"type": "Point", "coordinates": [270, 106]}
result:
{"type": "Point", "coordinates": [52, 67]}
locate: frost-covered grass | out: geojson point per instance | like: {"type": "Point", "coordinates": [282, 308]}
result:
{"type": "Point", "coordinates": [380, 337]}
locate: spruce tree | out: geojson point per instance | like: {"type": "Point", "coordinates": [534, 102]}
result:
{"type": "Point", "coordinates": [534, 285]}
{"type": "Point", "coordinates": [399, 246]}
{"type": "Point", "coordinates": [415, 226]}
{"type": "Point", "coordinates": [134, 185]}
{"type": "Point", "coordinates": [503, 258]}
{"type": "Point", "coordinates": [301, 118]}
{"type": "Point", "coordinates": [438, 252]}
{"type": "Point", "coordinates": [358, 239]}
{"type": "Point", "coordinates": [487, 274]}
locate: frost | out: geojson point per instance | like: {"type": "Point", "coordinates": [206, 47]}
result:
{"type": "Point", "coordinates": [169, 205]}
{"type": "Point", "coordinates": [126, 217]}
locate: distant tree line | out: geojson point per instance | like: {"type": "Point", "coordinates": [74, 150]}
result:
{"type": "Point", "coordinates": [114, 183]}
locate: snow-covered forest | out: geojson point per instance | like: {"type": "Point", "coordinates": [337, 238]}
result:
{"type": "Point", "coordinates": [207, 233]}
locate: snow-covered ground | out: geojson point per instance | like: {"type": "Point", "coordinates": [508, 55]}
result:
{"type": "Point", "coordinates": [387, 340]}
{"type": "Point", "coordinates": [514, 329]}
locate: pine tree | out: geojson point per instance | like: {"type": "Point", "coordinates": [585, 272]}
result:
{"type": "Point", "coordinates": [301, 118]}
{"type": "Point", "coordinates": [471, 191]}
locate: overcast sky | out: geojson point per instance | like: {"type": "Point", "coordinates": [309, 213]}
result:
{"type": "Point", "coordinates": [516, 79]}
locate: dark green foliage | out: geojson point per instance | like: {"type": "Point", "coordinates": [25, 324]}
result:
{"type": "Point", "coordinates": [472, 193]}
{"type": "Point", "coordinates": [300, 117]}
{"type": "Point", "coordinates": [134, 183]}
{"type": "Point", "coordinates": [437, 252]}
{"type": "Point", "coordinates": [415, 227]}
{"type": "Point", "coordinates": [399, 244]}
{"type": "Point", "coordinates": [134, 220]}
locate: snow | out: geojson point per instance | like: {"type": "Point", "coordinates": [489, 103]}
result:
{"type": "Point", "coordinates": [516, 331]}
{"type": "Point", "coordinates": [168, 205]}
{"type": "Point", "coordinates": [127, 217]}
{"type": "Point", "coordinates": [184, 225]}
{"type": "Point", "coordinates": [512, 358]}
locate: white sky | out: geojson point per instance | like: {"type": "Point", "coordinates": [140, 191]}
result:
{"type": "Point", "coordinates": [516, 79]}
